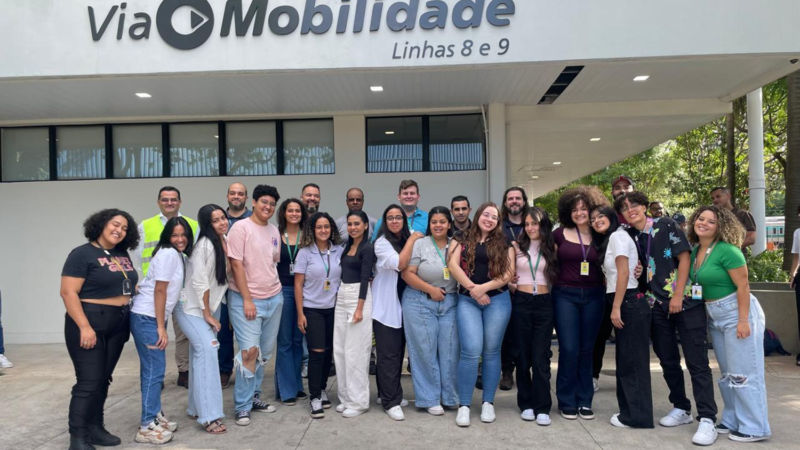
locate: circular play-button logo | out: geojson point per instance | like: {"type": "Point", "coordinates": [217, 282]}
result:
{"type": "Point", "coordinates": [194, 19]}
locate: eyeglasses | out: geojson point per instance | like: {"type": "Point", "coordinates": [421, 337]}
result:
{"type": "Point", "coordinates": [394, 218]}
{"type": "Point", "coordinates": [489, 215]}
{"type": "Point", "coordinates": [597, 217]}
{"type": "Point", "coordinates": [269, 204]}
{"type": "Point", "coordinates": [630, 205]}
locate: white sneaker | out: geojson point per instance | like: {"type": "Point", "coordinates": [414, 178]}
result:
{"type": "Point", "coordinates": [154, 434]}
{"type": "Point", "coordinates": [543, 419]}
{"type": "Point", "coordinates": [396, 413]}
{"type": "Point", "coordinates": [706, 433]}
{"type": "Point", "coordinates": [528, 415]}
{"type": "Point", "coordinates": [162, 420]}
{"type": "Point", "coordinates": [403, 402]}
{"type": "Point", "coordinates": [436, 410]}
{"type": "Point", "coordinates": [615, 421]}
{"type": "Point", "coordinates": [596, 384]}
{"type": "Point", "coordinates": [340, 408]}
{"type": "Point", "coordinates": [487, 412]}
{"type": "Point", "coordinates": [462, 419]}
{"type": "Point", "coordinates": [5, 363]}
{"type": "Point", "coordinates": [304, 371]}
{"type": "Point", "coordinates": [676, 417]}
{"type": "Point", "coordinates": [350, 413]}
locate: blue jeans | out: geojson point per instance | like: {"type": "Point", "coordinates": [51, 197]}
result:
{"type": "Point", "coordinates": [433, 347]}
{"type": "Point", "coordinates": [481, 330]}
{"type": "Point", "coordinates": [152, 364]}
{"type": "Point", "coordinates": [225, 337]}
{"type": "Point", "coordinates": [289, 357]}
{"type": "Point", "coordinates": [260, 333]}
{"type": "Point", "coordinates": [578, 313]}
{"type": "Point", "coordinates": [205, 391]}
{"type": "Point", "coordinates": [741, 361]}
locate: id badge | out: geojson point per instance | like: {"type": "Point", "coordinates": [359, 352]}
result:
{"type": "Point", "coordinates": [535, 289]}
{"type": "Point", "coordinates": [127, 287]}
{"type": "Point", "coordinates": [327, 286]}
{"type": "Point", "coordinates": [184, 296]}
{"type": "Point", "coordinates": [585, 269]}
{"type": "Point", "coordinates": [291, 269]}
{"type": "Point", "coordinates": [446, 273]}
{"type": "Point", "coordinates": [697, 292]}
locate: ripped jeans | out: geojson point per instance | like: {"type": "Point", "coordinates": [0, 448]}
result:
{"type": "Point", "coordinates": [205, 390]}
{"type": "Point", "coordinates": [260, 333]}
{"type": "Point", "coordinates": [741, 361]}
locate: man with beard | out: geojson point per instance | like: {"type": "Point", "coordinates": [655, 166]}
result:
{"type": "Point", "coordinates": [237, 204]}
{"type": "Point", "coordinates": [460, 208]}
{"type": "Point", "coordinates": [721, 196]}
{"type": "Point", "coordinates": [619, 187]}
{"type": "Point", "coordinates": [657, 210]}
{"type": "Point", "coordinates": [311, 196]}
{"type": "Point", "coordinates": [355, 202]}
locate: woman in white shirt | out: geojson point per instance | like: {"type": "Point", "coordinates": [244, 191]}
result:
{"type": "Point", "coordinates": [630, 315]}
{"type": "Point", "coordinates": [198, 317]}
{"type": "Point", "coordinates": [158, 294]}
{"type": "Point", "coordinates": [393, 251]}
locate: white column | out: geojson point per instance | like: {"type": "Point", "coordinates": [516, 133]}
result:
{"type": "Point", "coordinates": [497, 154]}
{"type": "Point", "coordinates": [755, 135]}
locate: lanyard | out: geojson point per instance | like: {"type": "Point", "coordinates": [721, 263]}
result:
{"type": "Point", "coordinates": [696, 270]}
{"type": "Point", "coordinates": [443, 258]}
{"type": "Point", "coordinates": [538, 258]}
{"type": "Point", "coordinates": [583, 249]}
{"type": "Point", "coordinates": [183, 261]}
{"type": "Point", "coordinates": [114, 260]}
{"type": "Point", "coordinates": [411, 220]}
{"type": "Point", "coordinates": [327, 266]}
{"type": "Point", "coordinates": [292, 254]}
{"type": "Point", "coordinates": [649, 241]}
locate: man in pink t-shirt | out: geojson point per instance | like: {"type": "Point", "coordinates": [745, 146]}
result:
{"type": "Point", "coordinates": [255, 301]}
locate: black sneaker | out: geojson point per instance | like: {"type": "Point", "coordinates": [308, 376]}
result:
{"type": "Point", "coordinates": [325, 402]}
{"type": "Point", "coordinates": [316, 409]}
{"type": "Point", "coordinates": [260, 406]}
{"type": "Point", "coordinates": [289, 402]}
{"type": "Point", "coordinates": [722, 429]}
{"type": "Point", "coordinates": [739, 437]}
{"type": "Point", "coordinates": [243, 418]}
{"type": "Point", "coordinates": [506, 382]}
{"type": "Point", "coordinates": [569, 414]}
{"type": "Point", "coordinates": [80, 443]}
{"type": "Point", "coordinates": [586, 413]}
{"type": "Point", "coordinates": [98, 435]}
{"type": "Point", "coordinates": [301, 395]}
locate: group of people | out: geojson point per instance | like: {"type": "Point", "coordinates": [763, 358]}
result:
{"type": "Point", "coordinates": [472, 298]}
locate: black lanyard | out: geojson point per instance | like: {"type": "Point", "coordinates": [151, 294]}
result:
{"type": "Point", "coordinates": [649, 241]}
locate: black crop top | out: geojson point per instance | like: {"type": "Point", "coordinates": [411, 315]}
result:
{"type": "Point", "coordinates": [358, 268]}
{"type": "Point", "coordinates": [102, 276]}
{"type": "Point", "coordinates": [481, 273]}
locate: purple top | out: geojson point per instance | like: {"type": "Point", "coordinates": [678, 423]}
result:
{"type": "Point", "coordinates": [570, 257]}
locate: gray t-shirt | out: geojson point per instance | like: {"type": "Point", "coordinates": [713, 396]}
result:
{"type": "Point", "coordinates": [430, 267]}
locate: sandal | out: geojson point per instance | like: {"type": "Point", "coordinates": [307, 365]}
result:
{"type": "Point", "coordinates": [216, 427]}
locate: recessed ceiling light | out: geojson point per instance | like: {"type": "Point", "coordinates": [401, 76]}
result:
{"type": "Point", "coordinates": [641, 78]}
{"type": "Point", "coordinates": [376, 88]}
{"type": "Point", "coordinates": [595, 139]}
{"type": "Point", "coordinates": [535, 177]}
{"type": "Point", "coordinates": [390, 132]}
{"type": "Point", "coordinates": [557, 163]}
{"type": "Point", "coordinates": [143, 95]}
{"type": "Point", "coordinates": [216, 136]}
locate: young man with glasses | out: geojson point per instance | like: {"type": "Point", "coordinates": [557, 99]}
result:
{"type": "Point", "coordinates": [355, 202]}
{"type": "Point", "coordinates": [169, 204]}
{"type": "Point", "coordinates": [665, 254]}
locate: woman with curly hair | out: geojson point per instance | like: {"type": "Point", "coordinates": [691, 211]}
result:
{"type": "Point", "coordinates": [483, 264]}
{"type": "Point", "coordinates": [532, 314]}
{"type": "Point", "coordinates": [735, 321]}
{"type": "Point", "coordinates": [317, 275]}
{"type": "Point", "coordinates": [97, 282]}
{"type": "Point", "coordinates": [578, 301]}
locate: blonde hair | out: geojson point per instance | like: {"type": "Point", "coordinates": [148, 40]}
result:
{"type": "Point", "coordinates": [729, 229]}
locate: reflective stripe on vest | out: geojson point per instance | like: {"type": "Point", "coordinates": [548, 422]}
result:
{"type": "Point", "coordinates": [152, 234]}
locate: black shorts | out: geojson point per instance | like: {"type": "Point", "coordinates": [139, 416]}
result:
{"type": "Point", "coordinates": [319, 328]}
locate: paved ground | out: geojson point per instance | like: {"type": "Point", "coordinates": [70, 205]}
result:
{"type": "Point", "coordinates": [34, 397]}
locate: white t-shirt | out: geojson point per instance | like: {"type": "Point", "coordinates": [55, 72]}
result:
{"type": "Point", "coordinates": [620, 244]}
{"type": "Point", "coordinates": [165, 266]}
{"type": "Point", "coordinates": [796, 242]}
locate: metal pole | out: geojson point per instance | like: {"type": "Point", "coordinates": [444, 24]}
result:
{"type": "Point", "coordinates": [755, 135]}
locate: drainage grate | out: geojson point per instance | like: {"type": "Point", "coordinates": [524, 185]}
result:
{"type": "Point", "coordinates": [558, 87]}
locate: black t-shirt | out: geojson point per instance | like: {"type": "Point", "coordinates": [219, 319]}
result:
{"type": "Point", "coordinates": [668, 241]}
{"type": "Point", "coordinates": [512, 230]}
{"type": "Point", "coordinates": [481, 273]}
{"type": "Point", "coordinates": [283, 264]}
{"type": "Point", "coordinates": [102, 276]}
{"type": "Point", "coordinates": [358, 268]}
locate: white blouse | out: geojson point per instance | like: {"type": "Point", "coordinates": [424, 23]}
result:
{"type": "Point", "coordinates": [203, 273]}
{"type": "Point", "coordinates": [385, 304]}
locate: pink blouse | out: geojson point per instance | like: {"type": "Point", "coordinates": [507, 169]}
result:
{"type": "Point", "coordinates": [524, 277]}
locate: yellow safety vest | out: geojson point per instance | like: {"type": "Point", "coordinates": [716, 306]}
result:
{"type": "Point", "coordinates": [152, 234]}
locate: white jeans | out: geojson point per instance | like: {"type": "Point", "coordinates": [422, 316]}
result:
{"type": "Point", "coordinates": [352, 344]}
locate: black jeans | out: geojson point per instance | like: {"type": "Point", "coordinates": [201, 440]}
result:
{"type": "Point", "coordinates": [634, 392]}
{"type": "Point", "coordinates": [389, 346]}
{"type": "Point", "coordinates": [692, 325]}
{"type": "Point", "coordinates": [532, 320]}
{"type": "Point", "coordinates": [319, 335]}
{"type": "Point", "coordinates": [606, 327]}
{"type": "Point", "coordinates": [797, 299]}
{"type": "Point", "coordinates": [94, 367]}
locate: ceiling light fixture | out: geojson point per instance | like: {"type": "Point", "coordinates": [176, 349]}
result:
{"type": "Point", "coordinates": [143, 95]}
{"type": "Point", "coordinates": [390, 132]}
{"type": "Point", "coordinates": [216, 136]}
{"type": "Point", "coordinates": [535, 177]}
{"type": "Point", "coordinates": [557, 163]}
{"type": "Point", "coordinates": [594, 139]}
{"type": "Point", "coordinates": [641, 78]}
{"type": "Point", "coordinates": [376, 88]}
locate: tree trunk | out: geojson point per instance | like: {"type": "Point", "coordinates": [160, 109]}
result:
{"type": "Point", "coordinates": [730, 154]}
{"type": "Point", "coordinates": [792, 173]}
